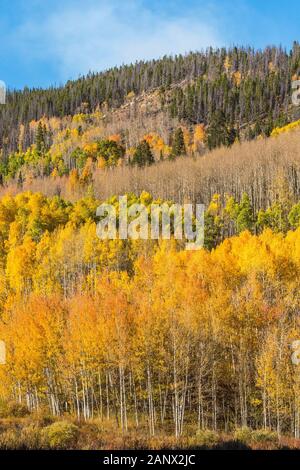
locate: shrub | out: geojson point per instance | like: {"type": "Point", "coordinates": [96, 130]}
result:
{"type": "Point", "coordinates": [42, 418]}
{"type": "Point", "coordinates": [264, 436]}
{"type": "Point", "coordinates": [246, 435]}
{"type": "Point", "coordinates": [243, 434]}
{"type": "Point", "coordinates": [9, 440]}
{"type": "Point", "coordinates": [17, 410]}
{"type": "Point", "coordinates": [60, 435]}
{"type": "Point", "coordinates": [205, 437]}
{"type": "Point", "coordinates": [26, 438]}
{"type": "Point", "coordinates": [90, 437]}
{"type": "Point", "coordinates": [30, 438]}
{"type": "Point", "coordinates": [12, 409]}
{"type": "Point", "coordinates": [161, 442]}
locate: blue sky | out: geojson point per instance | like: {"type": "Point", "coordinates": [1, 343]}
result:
{"type": "Point", "coordinates": [50, 41]}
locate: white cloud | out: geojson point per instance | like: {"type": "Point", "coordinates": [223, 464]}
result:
{"type": "Point", "coordinates": [100, 34]}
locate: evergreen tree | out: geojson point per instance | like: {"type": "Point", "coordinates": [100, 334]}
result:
{"type": "Point", "coordinates": [218, 132]}
{"type": "Point", "coordinates": [143, 155]}
{"type": "Point", "coordinates": [245, 219]}
{"type": "Point", "coordinates": [40, 139]}
{"type": "Point", "coordinates": [111, 151]}
{"type": "Point", "coordinates": [178, 145]}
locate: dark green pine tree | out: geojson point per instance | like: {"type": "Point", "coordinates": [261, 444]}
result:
{"type": "Point", "coordinates": [143, 155]}
{"type": "Point", "coordinates": [178, 145]}
{"type": "Point", "coordinates": [218, 132]}
{"type": "Point", "coordinates": [245, 219]}
{"type": "Point", "coordinates": [40, 139]}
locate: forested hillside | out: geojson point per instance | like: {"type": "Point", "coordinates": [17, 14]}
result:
{"type": "Point", "coordinates": [251, 89]}
{"type": "Point", "coordinates": [249, 186]}
{"type": "Point", "coordinates": [139, 342]}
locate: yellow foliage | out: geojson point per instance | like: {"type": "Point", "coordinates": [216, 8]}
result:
{"type": "Point", "coordinates": [199, 137]}
{"type": "Point", "coordinates": [227, 64]}
{"type": "Point", "coordinates": [54, 173]}
{"type": "Point", "coordinates": [101, 163]}
{"type": "Point", "coordinates": [237, 76]}
{"type": "Point", "coordinates": [288, 128]}
{"type": "Point", "coordinates": [96, 326]}
{"type": "Point", "coordinates": [130, 95]}
{"type": "Point", "coordinates": [115, 138]}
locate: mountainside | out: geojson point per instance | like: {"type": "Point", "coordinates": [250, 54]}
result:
{"type": "Point", "coordinates": [139, 342]}
{"type": "Point", "coordinates": [251, 88]}
{"type": "Point", "coordinates": [150, 112]}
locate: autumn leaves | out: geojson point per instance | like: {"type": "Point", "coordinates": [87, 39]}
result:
{"type": "Point", "coordinates": [143, 332]}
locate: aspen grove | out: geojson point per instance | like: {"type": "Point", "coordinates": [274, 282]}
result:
{"type": "Point", "coordinates": [142, 332]}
